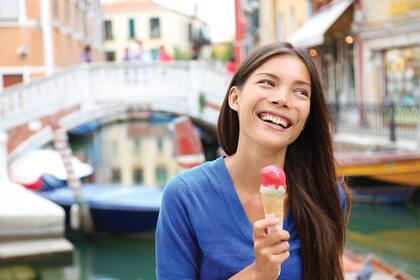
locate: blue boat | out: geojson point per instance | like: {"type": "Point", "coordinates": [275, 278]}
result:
{"type": "Point", "coordinates": [115, 209]}
{"type": "Point", "coordinates": [86, 128]}
{"type": "Point", "coordinates": [382, 194]}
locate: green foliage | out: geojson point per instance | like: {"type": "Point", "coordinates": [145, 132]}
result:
{"type": "Point", "coordinates": [202, 101]}
{"type": "Point", "coordinates": [181, 54]}
{"type": "Point", "coordinates": [222, 53]}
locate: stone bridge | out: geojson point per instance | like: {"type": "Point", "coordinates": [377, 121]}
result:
{"type": "Point", "coordinates": [93, 91]}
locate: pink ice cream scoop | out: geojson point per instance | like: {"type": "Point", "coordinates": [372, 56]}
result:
{"type": "Point", "coordinates": [273, 175]}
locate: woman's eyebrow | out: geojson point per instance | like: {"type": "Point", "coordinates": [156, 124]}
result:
{"type": "Point", "coordinates": [267, 74]}
{"type": "Point", "coordinates": [300, 82]}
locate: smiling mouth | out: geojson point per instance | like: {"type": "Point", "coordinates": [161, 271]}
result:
{"type": "Point", "coordinates": [276, 120]}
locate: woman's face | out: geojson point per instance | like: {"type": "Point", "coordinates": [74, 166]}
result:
{"type": "Point", "coordinates": [274, 102]}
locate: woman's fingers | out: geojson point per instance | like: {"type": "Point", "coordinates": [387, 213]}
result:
{"type": "Point", "coordinates": [260, 226]}
{"type": "Point", "coordinates": [278, 248]}
{"type": "Point", "coordinates": [272, 238]}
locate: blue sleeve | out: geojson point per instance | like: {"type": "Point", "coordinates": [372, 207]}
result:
{"type": "Point", "coordinates": [176, 246]}
{"type": "Point", "coordinates": [342, 196]}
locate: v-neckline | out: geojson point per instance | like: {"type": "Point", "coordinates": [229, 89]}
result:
{"type": "Point", "coordinates": [237, 213]}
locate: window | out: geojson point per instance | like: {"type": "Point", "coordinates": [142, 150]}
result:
{"type": "Point", "coordinates": [110, 56]}
{"type": "Point", "coordinates": [292, 19]}
{"type": "Point", "coordinates": [190, 32]}
{"type": "Point", "coordinates": [108, 30]}
{"type": "Point", "coordinates": [280, 27]}
{"type": "Point", "coordinates": [154, 28]}
{"type": "Point", "coordinates": [160, 144]}
{"type": "Point", "coordinates": [131, 28]}
{"type": "Point", "coordinates": [161, 176]}
{"type": "Point", "coordinates": [116, 175]}
{"type": "Point", "coordinates": [138, 176]}
{"type": "Point", "coordinates": [9, 10]}
{"type": "Point", "coordinates": [114, 148]}
{"type": "Point", "coordinates": [137, 145]}
{"type": "Point", "coordinates": [56, 10]}
{"type": "Point", "coordinates": [68, 14]}
{"type": "Point", "coordinates": [12, 79]}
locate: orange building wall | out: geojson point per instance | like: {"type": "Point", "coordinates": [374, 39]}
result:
{"type": "Point", "coordinates": [33, 9]}
{"type": "Point", "coordinates": [36, 76]}
{"type": "Point", "coordinates": [66, 51]}
{"type": "Point", "coordinates": [14, 37]}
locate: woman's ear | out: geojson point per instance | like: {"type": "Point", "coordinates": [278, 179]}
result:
{"type": "Point", "coordinates": [234, 98]}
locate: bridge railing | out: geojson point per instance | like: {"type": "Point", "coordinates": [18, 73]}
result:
{"type": "Point", "coordinates": [172, 86]}
{"type": "Point", "coordinates": [388, 121]}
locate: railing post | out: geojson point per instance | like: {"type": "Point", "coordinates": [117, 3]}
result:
{"type": "Point", "coordinates": [392, 136]}
{"type": "Point", "coordinates": [194, 88]}
{"type": "Point", "coordinates": [418, 127]}
{"type": "Point", "coordinates": [3, 157]}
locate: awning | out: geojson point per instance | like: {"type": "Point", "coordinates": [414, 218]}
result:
{"type": "Point", "coordinates": [312, 32]}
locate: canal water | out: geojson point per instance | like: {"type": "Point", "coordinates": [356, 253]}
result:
{"type": "Point", "coordinates": [115, 151]}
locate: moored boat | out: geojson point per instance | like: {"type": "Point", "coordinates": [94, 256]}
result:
{"type": "Point", "coordinates": [382, 194]}
{"type": "Point", "coordinates": [115, 209]}
{"type": "Point", "coordinates": [188, 147]}
{"type": "Point", "coordinates": [381, 177]}
{"type": "Point", "coordinates": [394, 167]}
{"type": "Point", "coordinates": [369, 267]}
{"type": "Point", "coordinates": [29, 169]}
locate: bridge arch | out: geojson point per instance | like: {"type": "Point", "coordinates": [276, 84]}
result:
{"type": "Point", "coordinates": [94, 91]}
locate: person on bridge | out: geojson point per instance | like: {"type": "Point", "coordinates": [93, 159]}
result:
{"type": "Point", "coordinates": [86, 56]}
{"type": "Point", "coordinates": [163, 55]}
{"type": "Point", "coordinates": [211, 223]}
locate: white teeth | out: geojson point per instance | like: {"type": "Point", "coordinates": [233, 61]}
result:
{"type": "Point", "coordinates": [275, 119]}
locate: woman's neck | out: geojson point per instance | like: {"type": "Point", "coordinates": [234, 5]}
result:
{"type": "Point", "coordinates": [245, 165]}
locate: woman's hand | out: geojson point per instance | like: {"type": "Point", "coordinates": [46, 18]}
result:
{"type": "Point", "coordinates": [271, 249]}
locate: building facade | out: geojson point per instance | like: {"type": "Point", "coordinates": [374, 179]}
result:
{"type": "Point", "coordinates": [281, 18]}
{"type": "Point", "coordinates": [126, 22]}
{"type": "Point", "coordinates": [388, 51]}
{"type": "Point", "coordinates": [41, 36]}
{"type": "Point", "coordinates": [327, 35]}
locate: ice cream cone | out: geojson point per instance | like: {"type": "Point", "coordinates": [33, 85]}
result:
{"type": "Point", "coordinates": [274, 206]}
{"type": "Point", "coordinates": [273, 191]}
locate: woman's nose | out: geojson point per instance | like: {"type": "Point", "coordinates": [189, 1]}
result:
{"type": "Point", "coordinates": [280, 98]}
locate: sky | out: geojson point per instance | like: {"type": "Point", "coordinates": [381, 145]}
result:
{"type": "Point", "coordinates": [218, 14]}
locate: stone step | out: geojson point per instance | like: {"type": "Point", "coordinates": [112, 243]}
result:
{"type": "Point", "coordinates": [23, 251]}
{"type": "Point", "coordinates": [31, 227]}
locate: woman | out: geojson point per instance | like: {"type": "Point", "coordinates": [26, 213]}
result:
{"type": "Point", "coordinates": [212, 225]}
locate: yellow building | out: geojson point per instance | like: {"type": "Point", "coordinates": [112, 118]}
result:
{"type": "Point", "coordinates": [154, 25]}
{"type": "Point", "coordinates": [39, 37]}
{"type": "Point", "coordinates": [136, 152]}
{"type": "Point", "coordinates": [278, 19]}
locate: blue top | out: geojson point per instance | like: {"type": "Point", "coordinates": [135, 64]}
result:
{"type": "Point", "coordinates": [203, 231]}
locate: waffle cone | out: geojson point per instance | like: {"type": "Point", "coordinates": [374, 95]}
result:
{"type": "Point", "coordinates": [273, 204]}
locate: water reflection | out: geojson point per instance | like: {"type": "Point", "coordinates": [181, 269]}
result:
{"type": "Point", "coordinates": [392, 232]}
{"type": "Point", "coordinates": [132, 152]}
{"type": "Point", "coordinates": [103, 258]}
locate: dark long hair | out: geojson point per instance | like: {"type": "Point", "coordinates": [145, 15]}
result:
{"type": "Point", "coordinates": [310, 168]}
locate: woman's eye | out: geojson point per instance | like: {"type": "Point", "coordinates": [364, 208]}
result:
{"type": "Point", "coordinates": [302, 91]}
{"type": "Point", "coordinates": [267, 82]}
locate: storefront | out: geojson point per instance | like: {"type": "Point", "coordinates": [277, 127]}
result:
{"type": "Point", "coordinates": [402, 75]}
{"type": "Point", "coordinates": [328, 38]}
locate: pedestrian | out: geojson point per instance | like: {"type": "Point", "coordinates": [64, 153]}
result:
{"type": "Point", "coordinates": [135, 51]}
{"type": "Point", "coordinates": [86, 54]}
{"type": "Point", "coordinates": [126, 55]}
{"type": "Point", "coordinates": [211, 223]}
{"type": "Point", "coordinates": [163, 55]}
